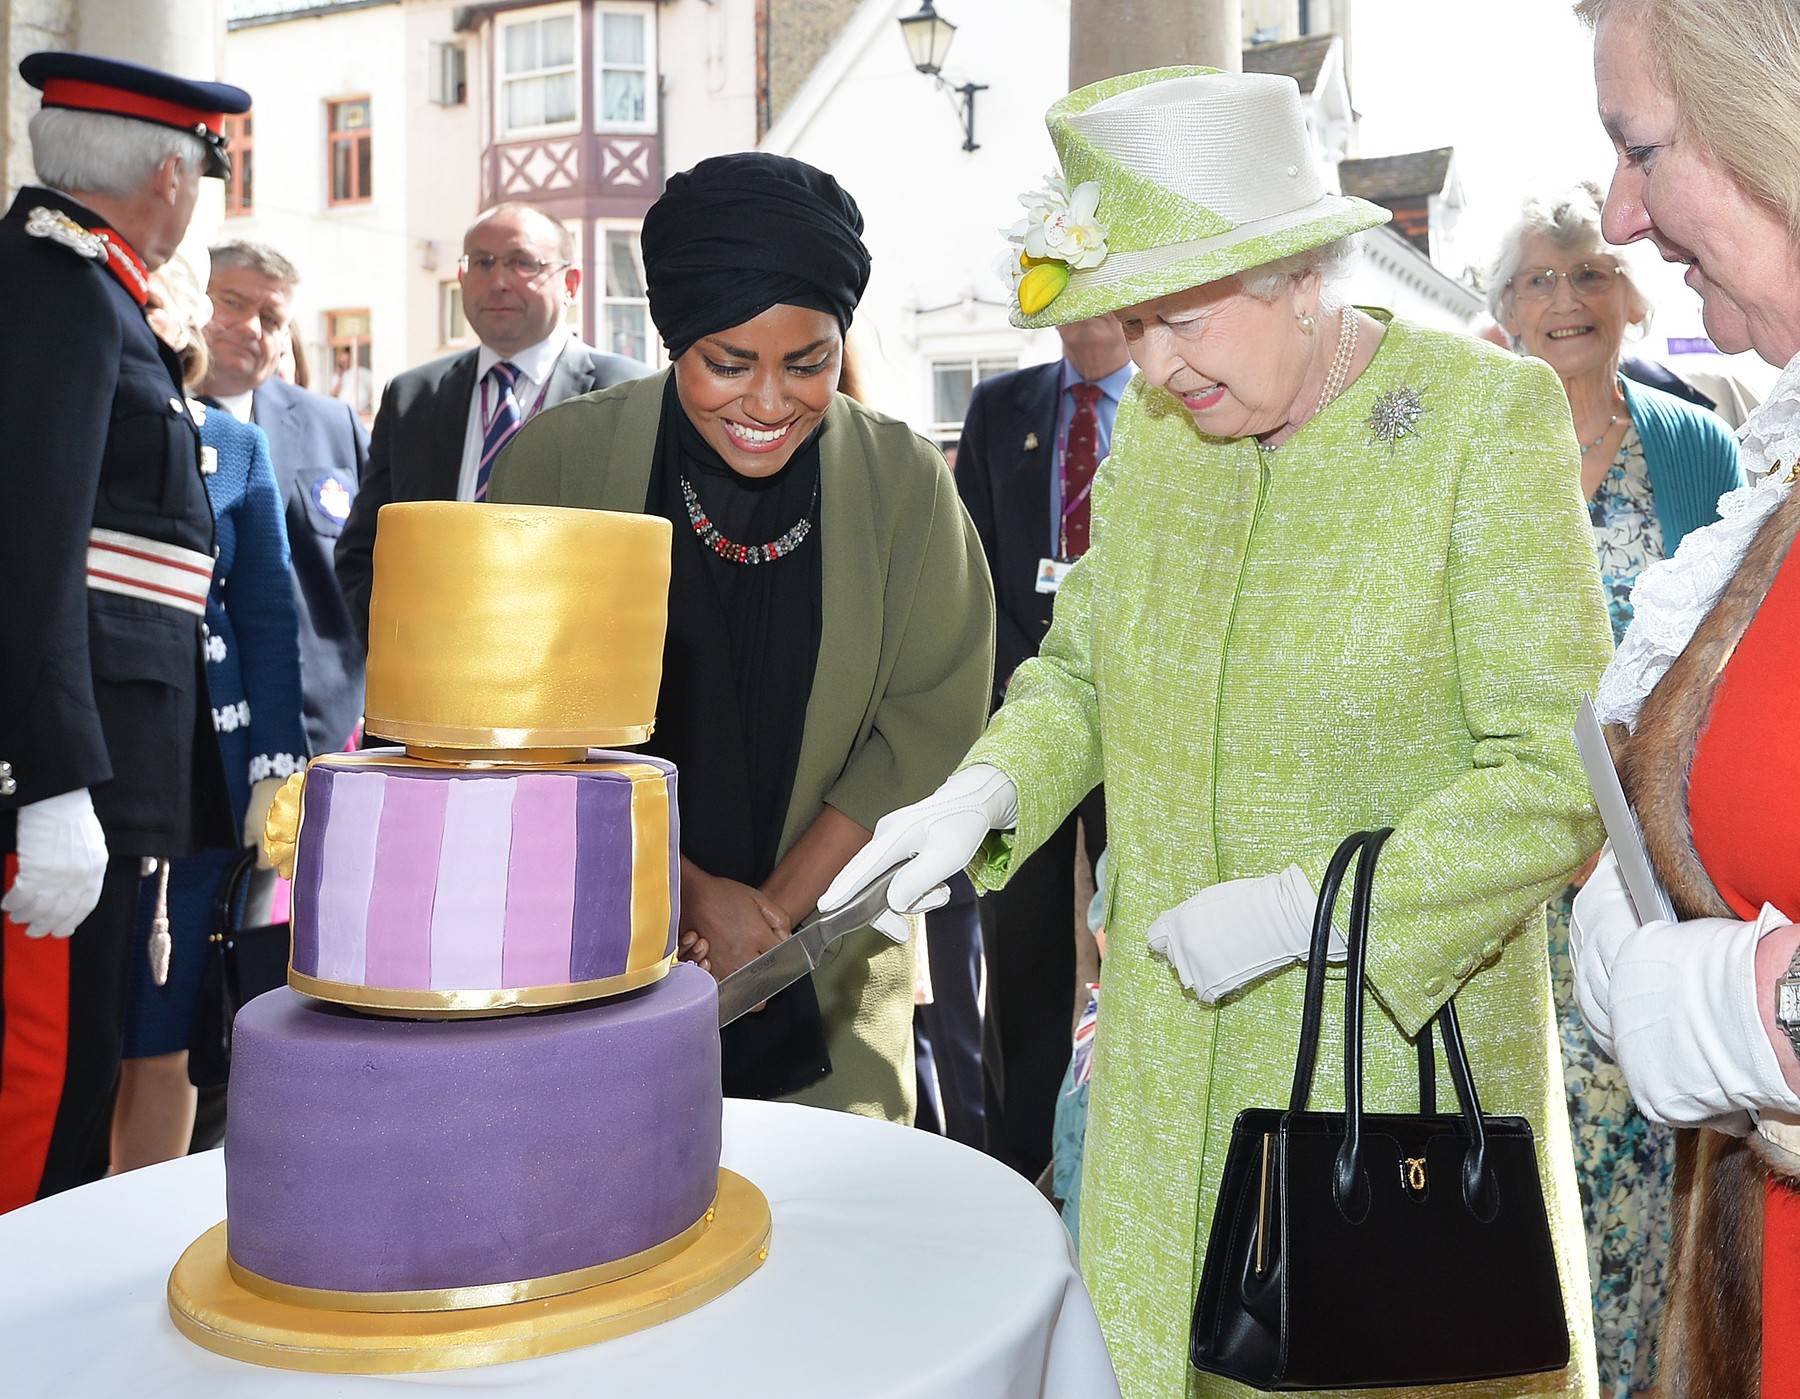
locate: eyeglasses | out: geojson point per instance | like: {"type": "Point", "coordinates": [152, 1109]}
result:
{"type": "Point", "coordinates": [1585, 279]}
{"type": "Point", "coordinates": [521, 265]}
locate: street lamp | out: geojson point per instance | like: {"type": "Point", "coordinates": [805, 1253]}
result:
{"type": "Point", "coordinates": [928, 36]}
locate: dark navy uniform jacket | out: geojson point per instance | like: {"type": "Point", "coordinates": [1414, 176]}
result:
{"type": "Point", "coordinates": [98, 689]}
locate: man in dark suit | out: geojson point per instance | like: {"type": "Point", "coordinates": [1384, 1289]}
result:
{"type": "Point", "coordinates": [319, 450]}
{"type": "Point", "coordinates": [1031, 442]}
{"type": "Point", "coordinates": [107, 752]}
{"type": "Point", "coordinates": [441, 425]}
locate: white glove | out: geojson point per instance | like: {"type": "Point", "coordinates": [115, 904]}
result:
{"type": "Point", "coordinates": [62, 863]}
{"type": "Point", "coordinates": [262, 796]}
{"type": "Point", "coordinates": [937, 837]}
{"type": "Point", "coordinates": [1686, 1028]}
{"type": "Point", "coordinates": [1230, 934]}
{"type": "Point", "coordinates": [1602, 915]}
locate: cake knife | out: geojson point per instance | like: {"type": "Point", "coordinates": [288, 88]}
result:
{"type": "Point", "coordinates": [797, 954]}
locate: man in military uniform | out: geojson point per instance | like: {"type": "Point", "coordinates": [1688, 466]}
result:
{"type": "Point", "coordinates": [107, 753]}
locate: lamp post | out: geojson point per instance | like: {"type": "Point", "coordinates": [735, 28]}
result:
{"type": "Point", "coordinates": [928, 36]}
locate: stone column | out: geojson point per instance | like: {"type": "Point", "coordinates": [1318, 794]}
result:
{"type": "Point", "coordinates": [180, 36]}
{"type": "Point", "coordinates": [1109, 37]}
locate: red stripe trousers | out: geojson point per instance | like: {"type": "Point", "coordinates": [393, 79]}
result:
{"type": "Point", "coordinates": [62, 1029]}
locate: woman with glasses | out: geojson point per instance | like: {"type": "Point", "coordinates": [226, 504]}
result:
{"type": "Point", "coordinates": [1652, 468]}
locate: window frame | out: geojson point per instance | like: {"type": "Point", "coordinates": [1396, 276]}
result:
{"type": "Point", "coordinates": [604, 229]}
{"type": "Point", "coordinates": [334, 138]}
{"type": "Point", "coordinates": [646, 14]}
{"type": "Point", "coordinates": [1000, 361]}
{"type": "Point", "coordinates": [240, 128]}
{"type": "Point", "coordinates": [334, 341]}
{"type": "Point", "coordinates": [537, 14]}
{"type": "Point", "coordinates": [450, 293]}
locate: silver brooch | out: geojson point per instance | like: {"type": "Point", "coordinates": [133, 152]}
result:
{"type": "Point", "coordinates": [1395, 414]}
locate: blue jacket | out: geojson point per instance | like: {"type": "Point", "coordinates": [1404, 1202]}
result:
{"type": "Point", "coordinates": [1691, 454]}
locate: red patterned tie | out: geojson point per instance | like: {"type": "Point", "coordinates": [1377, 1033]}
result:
{"type": "Point", "coordinates": [1081, 455]}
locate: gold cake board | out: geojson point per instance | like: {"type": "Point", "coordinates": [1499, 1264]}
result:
{"type": "Point", "coordinates": [213, 1310]}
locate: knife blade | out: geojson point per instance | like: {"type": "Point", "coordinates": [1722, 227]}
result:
{"type": "Point", "coordinates": [798, 954]}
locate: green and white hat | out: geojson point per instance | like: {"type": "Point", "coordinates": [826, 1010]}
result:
{"type": "Point", "coordinates": [1171, 178]}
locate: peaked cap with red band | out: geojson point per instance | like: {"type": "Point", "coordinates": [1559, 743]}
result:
{"type": "Point", "coordinates": [83, 82]}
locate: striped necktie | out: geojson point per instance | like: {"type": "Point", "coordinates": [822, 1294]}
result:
{"type": "Point", "coordinates": [499, 419]}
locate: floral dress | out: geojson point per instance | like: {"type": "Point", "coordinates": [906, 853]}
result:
{"type": "Point", "coordinates": [1622, 1161]}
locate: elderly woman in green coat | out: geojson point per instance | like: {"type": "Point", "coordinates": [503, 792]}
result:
{"type": "Point", "coordinates": [831, 622]}
{"type": "Point", "coordinates": [1340, 578]}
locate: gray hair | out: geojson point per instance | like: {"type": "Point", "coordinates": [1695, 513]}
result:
{"type": "Point", "coordinates": [259, 258]}
{"type": "Point", "coordinates": [1570, 221]}
{"type": "Point", "coordinates": [104, 154]}
{"type": "Point", "coordinates": [1330, 262]}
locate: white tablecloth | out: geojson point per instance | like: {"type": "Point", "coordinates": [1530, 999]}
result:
{"type": "Point", "coordinates": [901, 1264]}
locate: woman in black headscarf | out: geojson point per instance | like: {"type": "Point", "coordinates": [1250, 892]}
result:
{"type": "Point", "coordinates": [830, 615]}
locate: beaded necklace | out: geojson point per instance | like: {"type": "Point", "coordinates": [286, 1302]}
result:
{"type": "Point", "coordinates": [777, 548]}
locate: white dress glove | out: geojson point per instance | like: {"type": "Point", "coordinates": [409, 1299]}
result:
{"type": "Point", "coordinates": [262, 797]}
{"type": "Point", "coordinates": [1680, 1000]}
{"type": "Point", "coordinates": [1602, 915]}
{"type": "Point", "coordinates": [62, 864]}
{"type": "Point", "coordinates": [1229, 934]}
{"type": "Point", "coordinates": [936, 836]}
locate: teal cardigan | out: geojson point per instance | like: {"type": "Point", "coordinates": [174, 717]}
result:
{"type": "Point", "coordinates": [1691, 454]}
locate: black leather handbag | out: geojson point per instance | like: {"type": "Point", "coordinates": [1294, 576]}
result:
{"type": "Point", "coordinates": [1368, 1250]}
{"type": "Point", "coordinates": [241, 963]}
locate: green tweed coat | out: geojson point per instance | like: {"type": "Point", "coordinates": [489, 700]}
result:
{"type": "Point", "coordinates": [906, 655]}
{"type": "Point", "coordinates": [1261, 653]}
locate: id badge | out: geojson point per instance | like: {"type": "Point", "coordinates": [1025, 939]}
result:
{"type": "Point", "coordinates": [1051, 573]}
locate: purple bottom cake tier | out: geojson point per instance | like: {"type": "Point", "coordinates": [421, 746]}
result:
{"type": "Point", "coordinates": [372, 1156]}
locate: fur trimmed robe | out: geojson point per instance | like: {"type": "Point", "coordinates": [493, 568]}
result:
{"type": "Point", "coordinates": [1711, 1344]}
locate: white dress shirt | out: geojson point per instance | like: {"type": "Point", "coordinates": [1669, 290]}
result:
{"type": "Point", "coordinates": [535, 366]}
{"type": "Point", "coordinates": [236, 404]}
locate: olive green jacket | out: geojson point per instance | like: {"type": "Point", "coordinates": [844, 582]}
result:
{"type": "Point", "coordinates": [906, 653]}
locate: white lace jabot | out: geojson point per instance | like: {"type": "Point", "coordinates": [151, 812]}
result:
{"type": "Point", "coordinates": [1673, 595]}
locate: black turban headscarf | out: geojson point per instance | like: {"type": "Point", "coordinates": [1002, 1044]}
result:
{"type": "Point", "coordinates": [738, 234]}
{"type": "Point", "coordinates": [731, 238]}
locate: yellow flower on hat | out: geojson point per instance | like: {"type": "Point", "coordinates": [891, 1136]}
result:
{"type": "Point", "coordinates": [1058, 235]}
{"type": "Point", "coordinates": [281, 829]}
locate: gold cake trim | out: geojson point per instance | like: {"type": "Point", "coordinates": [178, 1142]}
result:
{"type": "Point", "coordinates": [506, 1000]}
{"type": "Point", "coordinates": [490, 1294]}
{"type": "Point", "coordinates": [214, 1311]}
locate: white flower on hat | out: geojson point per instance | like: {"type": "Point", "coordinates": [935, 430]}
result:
{"type": "Point", "coordinates": [1059, 223]}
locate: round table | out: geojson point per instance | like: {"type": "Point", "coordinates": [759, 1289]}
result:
{"type": "Point", "coordinates": [901, 1264]}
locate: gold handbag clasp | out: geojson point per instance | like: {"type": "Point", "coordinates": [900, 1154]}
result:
{"type": "Point", "coordinates": [1413, 1176]}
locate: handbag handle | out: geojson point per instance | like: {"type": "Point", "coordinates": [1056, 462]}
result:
{"type": "Point", "coordinates": [1350, 1182]}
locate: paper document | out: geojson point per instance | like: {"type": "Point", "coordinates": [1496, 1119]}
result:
{"type": "Point", "coordinates": [1647, 896]}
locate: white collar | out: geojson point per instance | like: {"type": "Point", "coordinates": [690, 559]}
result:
{"type": "Point", "coordinates": [535, 361]}
{"type": "Point", "coordinates": [1672, 597]}
{"type": "Point", "coordinates": [236, 404]}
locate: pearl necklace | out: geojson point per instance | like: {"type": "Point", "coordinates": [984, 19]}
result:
{"type": "Point", "coordinates": [746, 553]}
{"type": "Point", "coordinates": [1340, 362]}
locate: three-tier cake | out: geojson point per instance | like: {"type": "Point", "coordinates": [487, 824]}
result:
{"type": "Point", "coordinates": [482, 1122]}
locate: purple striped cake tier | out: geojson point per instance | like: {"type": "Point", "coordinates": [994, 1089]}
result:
{"type": "Point", "coordinates": [435, 889]}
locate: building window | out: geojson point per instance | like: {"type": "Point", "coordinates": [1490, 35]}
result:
{"type": "Point", "coordinates": [540, 75]}
{"type": "Point", "coordinates": [449, 75]}
{"type": "Point", "coordinates": [240, 189]}
{"type": "Point", "coordinates": [349, 360]}
{"type": "Point", "coordinates": [952, 381]}
{"type": "Point", "coordinates": [625, 40]}
{"type": "Point", "coordinates": [624, 306]}
{"type": "Point", "coordinates": [351, 160]}
{"type": "Point", "coordinates": [453, 325]}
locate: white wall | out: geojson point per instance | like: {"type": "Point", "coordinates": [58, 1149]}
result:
{"type": "Point", "coordinates": [933, 211]}
{"type": "Point", "coordinates": [707, 52]}
{"type": "Point", "coordinates": [371, 255]}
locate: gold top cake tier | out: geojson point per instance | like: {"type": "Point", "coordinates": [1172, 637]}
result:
{"type": "Point", "coordinates": [515, 627]}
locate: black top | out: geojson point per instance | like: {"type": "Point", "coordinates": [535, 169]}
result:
{"type": "Point", "coordinates": [738, 663]}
